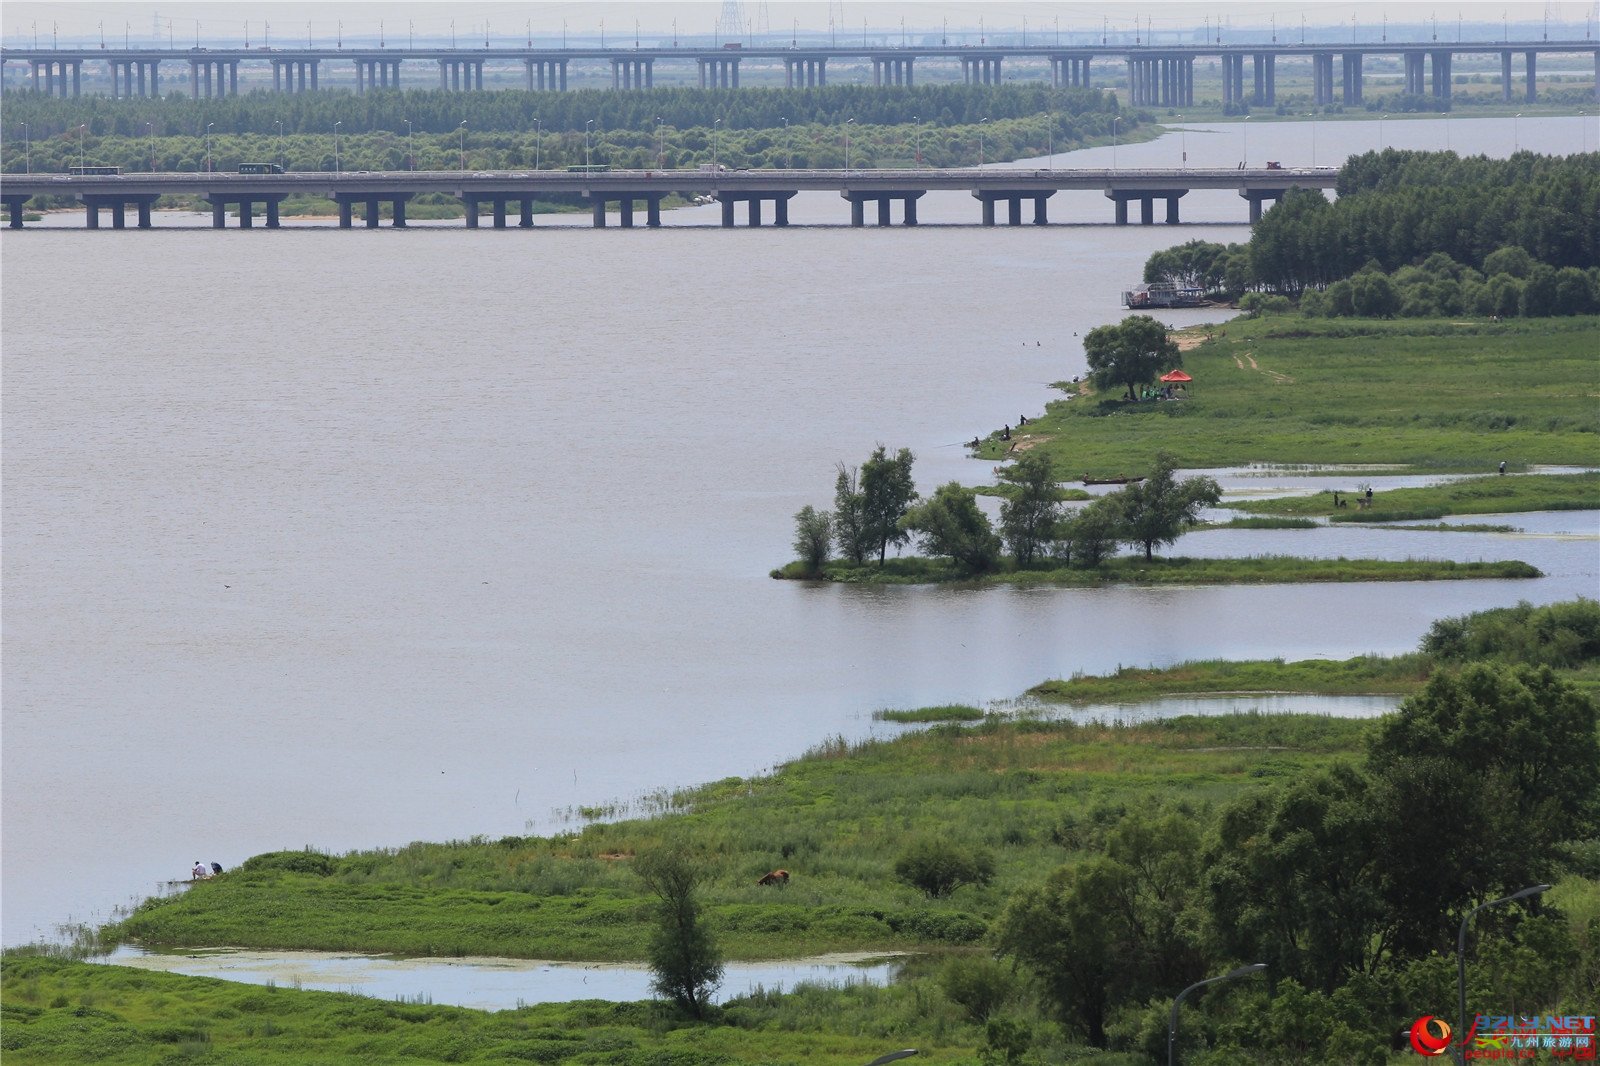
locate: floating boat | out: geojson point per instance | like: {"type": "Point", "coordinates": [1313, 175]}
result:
{"type": "Point", "coordinates": [1162, 294]}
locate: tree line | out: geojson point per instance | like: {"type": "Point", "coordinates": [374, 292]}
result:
{"type": "Point", "coordinates": [876, 507]}
{"type": "Point", "coordinates": [1420, 233]}
{"type": "Point", "coordinates": [1349, 883]}
{"type": "Point", "coordinates": [439, 111]}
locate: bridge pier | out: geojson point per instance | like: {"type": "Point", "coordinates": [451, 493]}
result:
{"type": "Point", "coordinates": [1441, 75]}
{"type": "Point", "coordinates": [55, 76]}
{"type": "Point", "coordinates": [753, 202]}
{"type": "Point", "coordinates": [371, 206]}
{"type": "Point", "coordinates": [15, 207]}
{"type": "Point", "coordinates": [1069, 70]}
{"type": "Point", "coordinates": [718, 73]}
{"type": "Point", "coordinates": [625, 202]}
{"type": "Point", "coordinates": [545, 74]}
{"type": "Point", "coordinates": [1352, 77]}
{"type": "Point", "coordinates": [978, 70]}
{"type": "Point", "coordinates": [377, 73]}
{"type": "Point", "coordinates": [1147, 207]}
{"type": "Point", "coordinates": [1256, 196]}
{"type": "Point", "coordinates": [1013, 199]}
{"type": "Point", "coordinates": [92, 203]}
{"type": "Point", "coordinates": [1266, 79]}
{"type": "Point", "coordinates": [629, 73]}
{"type": "Point", "coordinates": [884, 199]}
{"type": "Point", "coordinates": [891, 70]}
{"type": "Point", "coordinates": [805, 73]}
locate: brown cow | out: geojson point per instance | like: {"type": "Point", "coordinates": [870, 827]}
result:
{"type": "Point", "coordinates": [776, 877]}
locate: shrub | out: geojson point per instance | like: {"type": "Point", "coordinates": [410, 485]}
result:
{"type": "Point", "coordinates": [298, 862]}
{"type": "Point", "coordinates": [938, 867]}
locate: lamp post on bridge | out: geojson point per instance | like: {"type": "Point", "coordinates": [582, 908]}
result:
{"type": "Point", "coordinates": [150, 127]}
{"type": "Point", "coordinates": [27, 151]}
{"type": "Point", "coordinates": [588, 148]}
{"type": "Point", "coordinates": [1516, 133]}
{"type": "Point", "coordinates": [411, 156]}
{"type": "Point", "coordinates": [981, 122]}
{"type": "Point", "coordinates": [661, 146]}
{"type": "Point", "coordinates": [1245, 149]}
{"type": "Point", "coordinates": [1116, 120]}
{"type": "Point", "coordinates": [462, 130]}
{"type": "Point", "coordinates": [83, 127]}
{"type": "Point", "coordinates": [715, 125]}
{"type": "Point", "coordinates": [538, 140]}
{"type": "Point", "coordinates": [208, 146]}
{"type": "Point", "coordinates": [1461, 956]}
{"type": "Point", "coordinates": [916, 158]}
{"type": "Point", "coordinates": [788, 146]}
{"type": "Point", "coordinates": [848, 123]}
{"type": "Point", "coordinates": [280, 149]}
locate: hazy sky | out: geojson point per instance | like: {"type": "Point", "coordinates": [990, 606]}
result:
{"type": "Point", "coordinates": [224, 20]}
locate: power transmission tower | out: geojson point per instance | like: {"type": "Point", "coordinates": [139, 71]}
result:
{"type": "Point", "coordinates": [730, 24]}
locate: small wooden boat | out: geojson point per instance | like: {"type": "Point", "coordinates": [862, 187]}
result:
{"type": "Point", "coordinates": [1112, 480]}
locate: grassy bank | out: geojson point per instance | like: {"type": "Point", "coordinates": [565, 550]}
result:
{"type": "Point", "coordinates": [1131, 570]}
{"type": "Point", "coordinates": [1434, 394]}
{"type": "Point", "coordinates": [836, 818]}
{"type": "Point", "coordinates": [1482, 495]}
{"type": "Point", "coordinates": [1363, 675]}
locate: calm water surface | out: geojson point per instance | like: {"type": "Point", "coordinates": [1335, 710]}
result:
{"type": "Point", "coordinates": [351, 539]}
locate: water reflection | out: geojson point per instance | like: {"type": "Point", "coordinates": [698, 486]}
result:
{"type": "Point", "coordinates": [493, 983]}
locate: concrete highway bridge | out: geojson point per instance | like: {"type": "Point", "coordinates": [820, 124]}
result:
{"type": "Point", "coordinates": [995, 189]}
{"type": "Point", "coordinates": [1158, 75]}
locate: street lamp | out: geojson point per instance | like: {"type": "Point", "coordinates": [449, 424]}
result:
{"type": "Point", "coordinates": [411, 155]}
{"type": "Point", "coordinates": [1183, 136]}
{"type": "Point", "coordinates": [84, 126]}
{"type": "Point", "coordinates": [1313, 138]}
{"type": "Point", "coordinates": [1245, 149]}
{"type": "Point", "coordinates": [714, 126]}
{"type": "Point", "coordinates": [336, 126]}
{"type": "Point", "coordinates": [917, 158]}
{"type": "Point", "coordinates": [208, 146]}
{"type": "Point", "coordinates": [462, 130]}
{"type": "Point", "coordinates": [788, 146]}
{"type": "Point", "coordinates": [1461, 955]}
{"type": "Point", "coordinates": [588, 148]}
{"type": "Point", "coordinates": [661, 146]}
{"type": "Point", "coordinates": [1380, 131]}
{"type": "Point", "coordinates": [280, 148]}
{"type": "Point", "coordinates": [1516, 133]}
{"type": "Point", "coordinates": [981, 122]}
{"type": "Point", "coordinates": [538, 140]}
{"type": "Point", "coordinates": [848, 123]}
{"type": "Point", "coordinates": [1116, 121]}
{"type": "Point", "coordinates": [27, 151]}
{"type": "Point", "coordinates": [150, 128]}
{"type": "Point", "coordinates": [1172, 1019]}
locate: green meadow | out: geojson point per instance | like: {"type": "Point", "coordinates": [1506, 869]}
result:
{"type": "Point", "coordinates": [1432, 394]}
{"type": "Point", "coordinates": [1492, 494]}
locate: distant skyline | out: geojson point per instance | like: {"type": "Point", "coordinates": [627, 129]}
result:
{"type": "Point", "coordinates": [504, 24]}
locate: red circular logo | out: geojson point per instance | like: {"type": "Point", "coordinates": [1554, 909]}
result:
{"type": "Point", "coordinates": [1430, 1036]}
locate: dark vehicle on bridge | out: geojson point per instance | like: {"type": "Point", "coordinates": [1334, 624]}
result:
{"type": "Point", "coordinates": [260, 168]}
{"type": "Point", "coordinates": [94, 172]}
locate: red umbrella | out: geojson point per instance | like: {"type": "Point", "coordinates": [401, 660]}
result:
{"type": "Point", "coordinates": [1176, 376]}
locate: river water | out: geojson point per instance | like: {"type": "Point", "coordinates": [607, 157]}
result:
{"type": "Point", "coordinates": [351, 539]}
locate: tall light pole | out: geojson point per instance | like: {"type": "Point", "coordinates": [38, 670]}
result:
{"type": "Point", "coordinates": [1516, 133]}
{"type": "Point", "coordinates": [788, 146]}
{"type": "Point", "coordinates": [208, 146]}
{"type": "Point", "coordinates": [1116, 120]}
{"type": "Point", "coordinates": [1245, 126]}
{"type": "Point", "coordinates": [336, 126]}
{"type": "Point", "coordinates": [588, 148]}
{"type": "Point", "coordinates": [848, 123]}
{"type": "Point", "coordinates": [83, 128]}
{"type": "Point", "coordinates": [1172, 1019]}
{"type": "Point", "coordinates": [280, 148]}
{"type": "Point", "coordinates": [715, 125]}
{"type": "Point", "coordinates": [411, 156]}
{"type": "Point", "coordinates": [1461, 957]}
{"type": "Point", "coordinates": [661, 146]}
{"type": "Point", "coordinates": [981, 122]}
{"type": "Point", "coordinates": [1380, 131]}
{"type": "Point", "coordinates": [150, 128]}
{"type": "Point", "coordinates": [27, 151]}
{"type": "Point", "coordinates": [462, 129]}
{"type": "Point", "coordinates": [917, 157]}
{"type": "Point", "coordinates": [1183, 138]}
{"type": "Point", "coordinates": [538, 140]}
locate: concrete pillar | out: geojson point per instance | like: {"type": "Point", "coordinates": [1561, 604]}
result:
{"type": "Point", "coordinates": [525, 220]}
{"type": "Point", "coordinates": [1147, 211]}
{"type": "Point", "coordinates": [1040, 215]}
{"type": "Point", "coordinates": [400, 211]}
{"type": "Point", "coordinates": [313, 65]}
{"type": "Point", "coordinates": [233, 78]}
{"type": "Point", "coordinates": [344, 213]}
{"type": "Point", "coordinates": [727, 212]}
{"type": "Point", "coordinates": [272, 213]}
{"type": "Point", "coordinates": [219, 214]}
{"type": "Point", "coordinates": [1505, 75]}
{"type": "Point", "coordinates": [246, 214]}
{"type": "Point", "coordinates": [652, 212]}
{"type": "Point", "coordinates": [599, 214]}
{"type": "Point", "coordinates": [883, 211]}
{"type": "Point", "coordinates": [91, 214]}
{"type": "Point", "coordinates": [1272, 79]}
{"type": "Point", "coordinates": [1352, 77]}
{"type": "Point", "coordinates": [15, 208]}
{"type": "Point", "coordinates": [1014, 210]}
{"type": "Point", "coordinates": [988, 210]}
{"type": "Point", "coordinates": [1533, 76]}
{"type": "Point", "coordinates": [1441, 75]}
{"type": "Point", "coordinates": [1122, 210]}
{"type": "Point", "coordinates": [1172, 210]}
{"type": "Point", "coordinates": [911, 212]}
{"type": "Point", "coordinates": [373, 214]}
{"type": "Point", "coordinates": [144, 213]}
{"type": "Point", "coordinates": [857, 212]}
{"type": "Point", "coordinates": [780, 212]}
{"type": "Point", "coordinates": [625, 212]}
{"type": "Point", "coordinates": [755, 210]}
{"type": "Point", "coordinates": [361, 76]}
{"type": "Point", "coordinates": [499, 212]}
{"type": "Point", "coordinates": [472, 211]}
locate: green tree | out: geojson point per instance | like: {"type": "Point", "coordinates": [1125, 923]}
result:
{"type": "Point", "coordinates": [937, 867]}
{"type": "Point", "coordinates": [1131, 353]}
{"type": "Point", "coordinates": [1155, 510]}
{"type": "Point", "coordinates": [887, 491]}
{"type": "Point", "coordinates": [683, 955]}
{"type": "Point", "coordinates": [850, 517]}
{"type": "Point", "coordinates": [952, 524]}
{"type": "Point", "coordinates": [1028, 517]}
{"type": "Point", "coordinates": [813, 532]}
